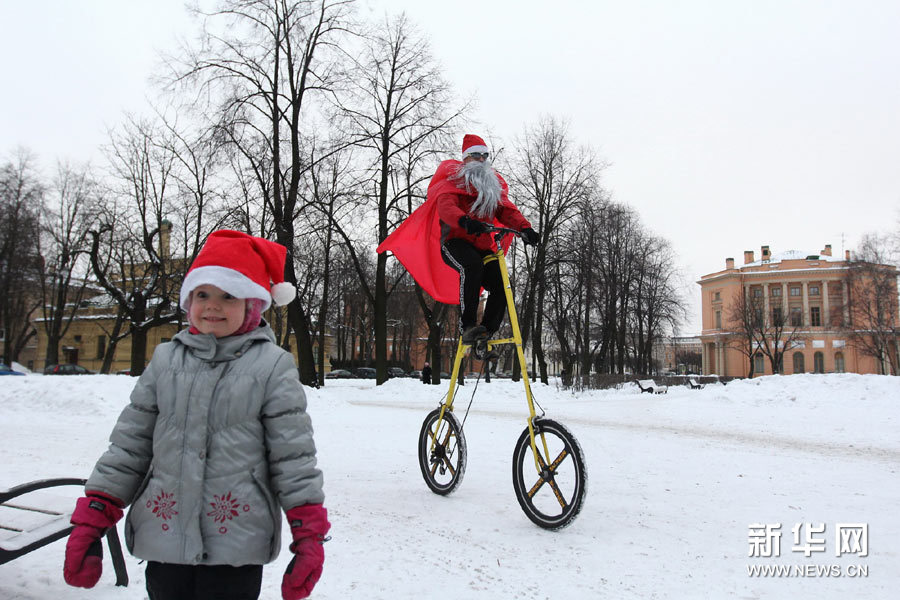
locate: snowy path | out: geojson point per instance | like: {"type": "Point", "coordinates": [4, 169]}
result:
{"type": "Point", "coordinates": [764, 440]}
{"type": "Point", "coordinates": [674, 483]}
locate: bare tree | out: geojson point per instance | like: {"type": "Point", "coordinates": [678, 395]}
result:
{"type": "Point", "coordinates": [658, 308]}
{"type": "Point", "coordinates": [617, 242]}
{"type": "Point", "coordinates": [130, 246]}
{"type": "Point", "coordinates": [550, 180]}
{"type": "Point", "coordinates": [330, 191]}
{"type": "Point", "coordinates": [21, 204]}
{"type": "Point", "coordinates": [691, 359]}
{"type": "Point", "coordinates": [571, 290]}
{"type": "Point", "coordinates": [874, 327]}
{"type": "Point", "coordinates": [741, 327]}
{"type": "Point", "coordinates": [397, 109]}
{"type": "Point", "coordinates": [256, 63]}
{"type": "Point", "coordinates": [753, 329]}
{"type": "Point", "coordinates": [65, 269]}
{"type": "Point", "coordinates": [777, 335]}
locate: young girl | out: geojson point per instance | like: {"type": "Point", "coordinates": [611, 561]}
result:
{"type": "Point", "coordinates": [214, 441]}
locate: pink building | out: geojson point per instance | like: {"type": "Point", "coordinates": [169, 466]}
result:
{"type": "Point", "coordinates": [803, 298]}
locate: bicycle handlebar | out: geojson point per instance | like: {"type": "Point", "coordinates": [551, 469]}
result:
{"type": "Point", "coordinates": [499, 232]}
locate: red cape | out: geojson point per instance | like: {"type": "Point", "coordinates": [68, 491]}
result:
{"type": "Point", "coordinates": [417, 241]}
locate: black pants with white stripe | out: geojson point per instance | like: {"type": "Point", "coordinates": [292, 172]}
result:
{"type": "Point", "coordinates": [474, 275]}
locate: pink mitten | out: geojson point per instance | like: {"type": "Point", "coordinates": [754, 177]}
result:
{"type": "Point", "coordinates": [93, 515]}
{"type": "Point", "coordinates": [309, 525]}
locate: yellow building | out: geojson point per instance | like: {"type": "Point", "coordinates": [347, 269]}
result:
{"type": "Point", "coordinates": [88, 337]}
{"type": "Point", "coordinates": [806, 296]}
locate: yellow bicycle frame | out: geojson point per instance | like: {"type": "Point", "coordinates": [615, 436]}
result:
{"type": "Point", "coordinates": [516, 339]}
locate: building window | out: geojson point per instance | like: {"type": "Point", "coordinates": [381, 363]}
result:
{"type": "Point", "coordinates": [799, 363]}
{"type": "Point", "coordinates": [838, 362]}
{"type": "Point", "coordinates": [813, 290]}
{"type": "Point", "coordinates": [796, 317]}
{"type": "Point", "coordinates": [776, 292]}
{"type": "Point", "coordinates": [759, 365]}
{"type": "Point", "coordinates": [757, 292]}
{"type": "Point", "coordinates": [815, 316]}
{"type": "Point", "coordinates": [777, 317]}
{"type": "Point", "coordinates": [758, 318]}
{"type": "Point", "coordinates": [101, 346]}
{"type": "Point", "coordinates": [718, 319]}
{"type": "Point", "coordinates": [795, 291]}
{"type": "Point", "coordinates": [818, 362]}
{"type": "Point", "coordinates": [716, 297]}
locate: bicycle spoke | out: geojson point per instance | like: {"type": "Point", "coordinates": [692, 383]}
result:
{"type": "Point", "coordinates": [559, 497]}
{"type": "Point", "coordinates": [559, 459]}
{"type": "Point", "coordinates": [536, 487]}
{"type": "Point", "coordinates": [450, 467]}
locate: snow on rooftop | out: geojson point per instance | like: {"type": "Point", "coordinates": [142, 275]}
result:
{"type": "Point", "coordinates": [793, 255]}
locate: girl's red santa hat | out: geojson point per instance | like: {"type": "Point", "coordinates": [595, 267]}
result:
{"type": "Point", "coordinates": [242, 265]}
{"type": "Point", "coordinates": [473, 143]}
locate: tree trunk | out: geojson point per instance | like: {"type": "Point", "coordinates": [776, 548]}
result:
{"type": "Point", "coordinates": [138, 334]}
{"type": "Point", "coordinates": [435, 334]}
{"type": "Point", "coordinates": [113, 342]}
{"type": "Point", "coordinates": [380, 320]}
{"type": "Point", "coordinates": [300, 324]}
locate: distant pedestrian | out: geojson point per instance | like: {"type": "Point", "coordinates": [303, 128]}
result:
{"type": "Point", "coordinates": [426, 373]}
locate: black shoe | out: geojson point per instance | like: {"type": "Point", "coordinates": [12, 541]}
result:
{"type": "Point", "coordinates": [481, 352]}
{"type": "Point", "coordinates": [474, 333]}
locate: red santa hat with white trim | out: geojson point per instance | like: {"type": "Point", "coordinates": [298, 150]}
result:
{"type": "Point", "coordinates": [473, 143]}
{"type": "Point", "coordinates": [242, 265]}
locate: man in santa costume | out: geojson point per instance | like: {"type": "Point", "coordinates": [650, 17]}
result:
{"type": "Point", "coordinates": [444, 242]}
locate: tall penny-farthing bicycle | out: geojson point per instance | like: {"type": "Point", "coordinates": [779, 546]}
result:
{"type": "Point", "coordinates": [548, 472]}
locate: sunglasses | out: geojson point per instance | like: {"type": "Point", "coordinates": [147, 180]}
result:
{"type": "Point", "coordinates": [479, 155]}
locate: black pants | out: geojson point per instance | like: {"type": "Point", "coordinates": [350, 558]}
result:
{"type": "Point", "coordinates": [203, 582]}
{"type": "Point", "coordinates": [474, 275]}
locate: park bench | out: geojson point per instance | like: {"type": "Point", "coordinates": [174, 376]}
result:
{"type": "Point", "coordinates": [650, 386]}
{"type": "Point", "coordinates": [695, 385]}
{"type": "Point", "coordinates": [27, 526]}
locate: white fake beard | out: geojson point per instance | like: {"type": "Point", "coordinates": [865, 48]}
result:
{"type": "Point", "coordinates": [481, 176]}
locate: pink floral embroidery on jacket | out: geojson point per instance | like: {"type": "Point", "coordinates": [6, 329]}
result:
{"type": "Point", "coordinates": [164, 506]}
{"type": "Point", "coordinates": [223, 508]}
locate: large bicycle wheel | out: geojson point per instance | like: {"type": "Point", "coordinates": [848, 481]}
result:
{"type": "Point", "coordinates": [442, 452]}
{"type": "Point", "coordinates": [552, 496]}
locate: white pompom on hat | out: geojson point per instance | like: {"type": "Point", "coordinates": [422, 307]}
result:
{"type": "Point", "coordinates": [242, 265]}
{"type": "Point", "coordinates": [473, 143]}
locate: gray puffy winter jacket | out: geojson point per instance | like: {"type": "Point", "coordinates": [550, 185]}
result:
{"type": "Point", "coordinates": [214, 444]}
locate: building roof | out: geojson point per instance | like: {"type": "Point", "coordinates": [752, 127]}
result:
{"type": "Point", "coordinates": [793, 255]}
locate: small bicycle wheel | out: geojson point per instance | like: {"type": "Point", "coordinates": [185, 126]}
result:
{"type": "Point", "coordinates": [552, 496]}
{"type": "Point", "coordinates": [442, 452]}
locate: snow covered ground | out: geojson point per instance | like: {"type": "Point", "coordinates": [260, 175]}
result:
{"type": "Point", "coordinates": [676, 483]}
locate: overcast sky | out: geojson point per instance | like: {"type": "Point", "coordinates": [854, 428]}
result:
{"type": "Point", "coordinates": [727, 125]}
